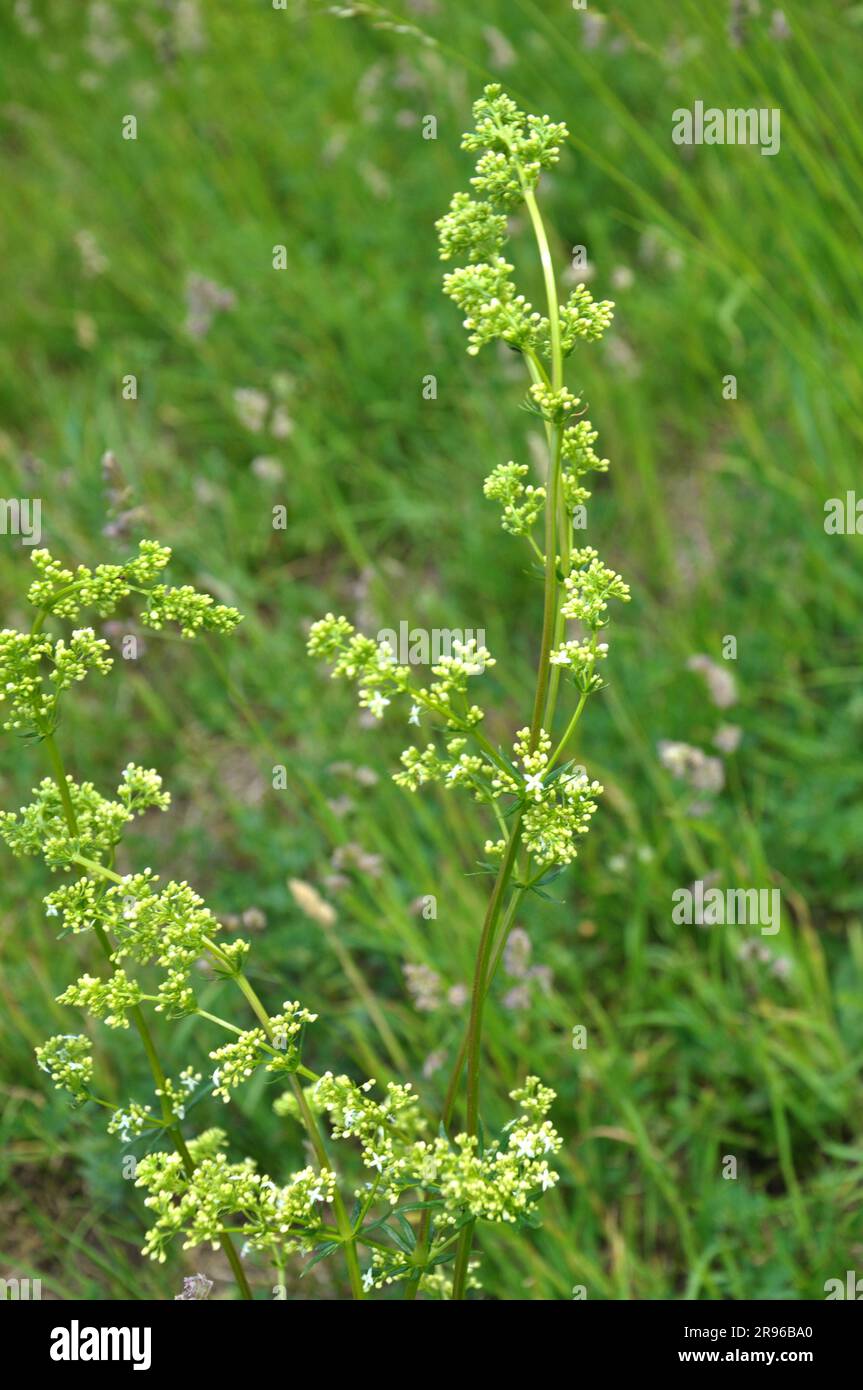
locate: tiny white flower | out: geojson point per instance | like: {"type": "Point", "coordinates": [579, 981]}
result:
{"type": "Point", "coordinates": [386, 655]}
{"type": "Point", "coordinates": [377, 704]}
{"type": "Point", "coordinates": [525, 1146]}
{"type": "Point", "coordinates": [377, 1161]}
{"type": "Point", "coordinates": [414, 716]}
{"type": "Point", "coordinates": [51, 910]}
{"type": "Point", "coordinates": [533, 784]}
{"type": "Point", "coordinates": [368, 1280]}
{"type": "Point", "coordinates": [546, 1180]}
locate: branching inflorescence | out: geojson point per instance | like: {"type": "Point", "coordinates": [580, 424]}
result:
{"type": "Point", "coordinates": [419, 1186]}
{"type": "Point", "coordinates": [541, 801]}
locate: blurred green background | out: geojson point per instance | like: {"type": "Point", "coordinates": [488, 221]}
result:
{"type": "Point", "coordinates": [260, 127]}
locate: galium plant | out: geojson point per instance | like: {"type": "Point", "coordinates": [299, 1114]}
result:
{"type": "Point", "coordinates": [394, 1193]}
{"type": "Point", "coordinates": [541, 802]}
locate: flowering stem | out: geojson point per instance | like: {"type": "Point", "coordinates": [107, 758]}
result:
{"type": "Point", "coordinates": [137, 1014]}
{"type": "Point", "coordinates": [543, 716]}
{"type": "Point", "coordinates": [308, 1118]}
{"type": "Point", "coordinates": [315, 1139]}
{"type": "Point", "coordinates": [346, 1232]}
{"type": "Point", "coordinates": [412, 1286]}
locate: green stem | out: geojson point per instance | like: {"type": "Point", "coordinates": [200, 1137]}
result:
{"type": "Point", "coordinates": [569, 731]}
{"type": "Point", "coordinates": [349, 1244]}
{"type": "Point", "coordinates": [545, 698]}
{"type": "Point", "coordinates": [550, 287]}
{"type": "Point", "coordinates": [478, 992]}
{"type": "Point", "coordinates": [59, 772]}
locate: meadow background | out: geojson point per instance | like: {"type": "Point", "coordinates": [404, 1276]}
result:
{"type": "Point", "coordinates": [259, 127]}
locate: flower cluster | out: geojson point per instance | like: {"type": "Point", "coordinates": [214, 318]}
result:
{"type": "Point", "coordinates": [35, 669]}
{"type": "Point", "coordinates": [558, 802]}
{"type": "Point", "coordinates": [486, 296]}
{"type": "Point", "coordinates": [471, 229]}
{"type": "Point", "coordinates": [385, 1129]}
{"type": "Point", "coordinates": [498, 1181]}
{"type": "Point", "coordinates": [589, 586]}
{"type": "Point", "coordinates": [501, 1181]}
{"type": "Point", "coordinates": [138, 1119]}
{"type": "Point", "coordinates": [278, 1047]}
{"type": "Point", "coordinates": [580, 658]}
{"type": "Point", "coordinates": [554, 406]}
{"type": "Point", "coordinates": [176, 1094]}
{"type": "Point", "coordinates": [68, 1060]}
{"type": "Point", "coordinates": [373, 668]}
{"type": "Point", "coordinates": [131, 1123]}
{"type": "Point", "coordinates": [66, 592]}
{"type": "Point", "coordinates": [140, 790]}
{"type": "Point", "coordinates": [455, 767]}
{"type": "Point", "coordinates": [72, 660]}
{"type": "Point", "coordinates": [578, 457]}
{"type": "Point", "coordinates": [521, 502]}
{"type": "Point", "coordinates": [371, 665]}
{"type": "Point", "coordinates": [582, 319]}
{"type": "Point", "coordinates": [190, 610]}
{"type": "Point", "coordinates": [170, 927]}
{"type": "Point", "coordinates": [217, 1193]}
{"type": "Point", "coordinates": [513, 149]}
{"type": "Point", "coordinates": [111, 998]}
{"type": "Point", "coordinates": [43, 828]}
